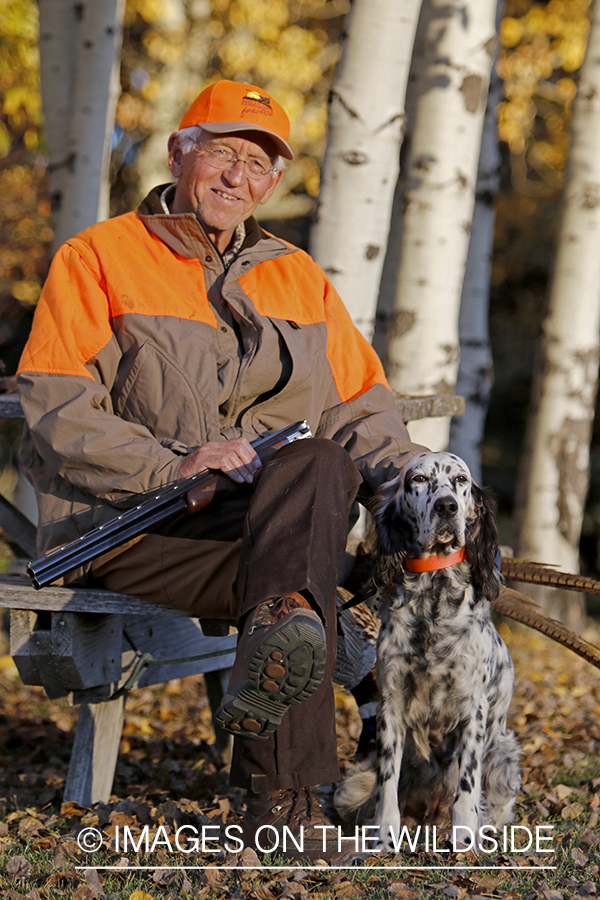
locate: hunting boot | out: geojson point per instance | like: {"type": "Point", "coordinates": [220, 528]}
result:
{"type": "Point", "coordinates": [280, 661]}
{"type": "Point", "coordinates": [290, 823]}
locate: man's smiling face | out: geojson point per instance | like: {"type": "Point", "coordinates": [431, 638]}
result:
{"type": "Point", "coordinates": [221, 198]}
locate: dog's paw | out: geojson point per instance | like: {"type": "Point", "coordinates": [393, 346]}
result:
{"type": "Point", "coordinates": [388, 839]}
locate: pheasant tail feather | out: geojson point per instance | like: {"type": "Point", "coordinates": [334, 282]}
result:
{"type": "Point", "coordinates": [509, 603]}
{"type": "Point", "coordinates": [536, 573]}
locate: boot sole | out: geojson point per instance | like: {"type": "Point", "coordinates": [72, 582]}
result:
{"type": "Point", "coordinates": [299, 649]}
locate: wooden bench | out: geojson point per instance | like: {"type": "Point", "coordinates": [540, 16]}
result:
{"type": "Point", "coordinates": [88, 647]}
{"type": "Point", "coordinates": [82, 647]}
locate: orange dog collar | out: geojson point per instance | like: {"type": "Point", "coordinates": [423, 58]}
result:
{"type": "Point", "coordinates": [431, 563]}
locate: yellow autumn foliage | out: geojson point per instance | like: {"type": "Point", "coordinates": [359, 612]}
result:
{"type": "Point", "coordinates": [21, 112]}
{"type": "Point", "coordinates": [511, 31]}
{"type": "Point", "coordinates": [540, 49]}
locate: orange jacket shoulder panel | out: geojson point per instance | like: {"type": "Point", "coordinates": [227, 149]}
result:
{"type": "Point", "coordinates": [102, 274]}
{"type": "Point", "coordinates": [295, 288]}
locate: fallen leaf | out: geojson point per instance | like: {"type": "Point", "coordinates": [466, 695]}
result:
{"type": "Point", "coordinates": [293, 891]}
{"type": "Point", "coordinates": [563, 791]}
{"type": "Point", "coordinates": [60, 878]}
{"type": "Point", "coordinates": [168, 809]}
{"type": "Point", "coordinates": [248, 857]}
{"type": "Point", "coordinates": [29, 827]}
{"type": "Point", "coordinates": [44, 843]}
{"type": "Point", "coordinates": [85, 892]}
{"type": "Point", "coordinates": [19, 867]}
{"type": "Point", "coordinates": [211, 875]}
{"type": "Point", "coordinates": [60, 860]}
{"type": "Point", "coordinates": [121, 818]}
{"type": "Point", "coordinates": [588, 838]}
{"type": "Point", "coordinates": [140, 895]}
{"type": "Point", "coordinates": [578, 856]}
{"type": "Point", "coordinates": [487, 882]}
{"type": "Point", "coordinates": [348, 890]}
{"type": "Point", "coordinates": [164, 877]}
{"type": "Point", "coordinates": [72, 809]}
{"type": "Point", "coordinates": [263, 892]}
{"type": "Point", "coordinates": [92, 878]}
{"type": "Point", "coordinates": [572, 810]}
{"type": "Point", "coordinates": [401, 892]}
{"type": "Point", "coordinates": [70, 846]}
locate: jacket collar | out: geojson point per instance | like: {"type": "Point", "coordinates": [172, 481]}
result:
{"type": "Point", "coordinates": [183, 232]}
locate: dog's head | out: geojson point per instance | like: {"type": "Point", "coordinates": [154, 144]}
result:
{"type": "Point", "coordinates": [433, 508]}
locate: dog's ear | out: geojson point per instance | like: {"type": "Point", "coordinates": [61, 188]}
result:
{"type": "Point", "coordinates": [391, 527]}
{"type": "Point", "coordinates": [482, 543]}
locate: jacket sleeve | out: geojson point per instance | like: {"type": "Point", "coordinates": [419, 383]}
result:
{"type": "Point", "coordinates": [361, 413]}
{"type": "Point", "coordinates": [65, 377]}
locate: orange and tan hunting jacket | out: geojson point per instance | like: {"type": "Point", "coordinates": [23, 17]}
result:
{"type": "Point", "coordinates": [145, 346]}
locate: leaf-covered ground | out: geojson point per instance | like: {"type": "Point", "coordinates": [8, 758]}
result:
{"type": "Point", "coordinates": [168, 776]}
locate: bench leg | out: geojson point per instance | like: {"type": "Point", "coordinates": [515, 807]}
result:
{"type": "Point", "coordinates": [216, 684]}
{"type": "Point", "coordinates": [95, 752]}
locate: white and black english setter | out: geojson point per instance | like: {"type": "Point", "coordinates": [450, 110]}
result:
{"type": "Point", "coordinates": [444, 674]}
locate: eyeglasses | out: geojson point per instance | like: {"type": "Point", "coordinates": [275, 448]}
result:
{"type": "Point", "coordinates": [223, 158]}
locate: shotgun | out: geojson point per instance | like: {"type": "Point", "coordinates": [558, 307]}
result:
{"type": "Point", "coordinates": [191, 495]}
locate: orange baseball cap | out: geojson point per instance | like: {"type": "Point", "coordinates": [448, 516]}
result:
{"type": "Point", "coordinates": [229, 106]}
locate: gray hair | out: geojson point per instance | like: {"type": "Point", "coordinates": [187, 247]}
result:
{"type": "Point", "coordinates": [191, 135]}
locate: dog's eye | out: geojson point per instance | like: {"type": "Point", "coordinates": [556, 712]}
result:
{"type": "Point", "coordinates": [418, 479]}
{"type": "Point", "coordinates": [462, 479]}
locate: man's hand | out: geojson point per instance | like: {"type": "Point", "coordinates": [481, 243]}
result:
{"type": "Point", "coordinates": [236, 458]}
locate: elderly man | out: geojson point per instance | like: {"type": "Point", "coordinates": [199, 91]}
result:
{"type": "Point", "coordinates": [164, 341]}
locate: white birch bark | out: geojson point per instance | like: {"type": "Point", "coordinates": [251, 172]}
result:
{"type": "Point", "coordinates": [60, 26]}
{"type": "Point", "coordinates": [475, 371]}
{"type": "Point", "coordinates": [452, 69]}
{"type": "Point", "coordinates": [555, 469]}
{"type": "Point", "coordinates": [87, 139]}
{"type": "Point", "coordinates": [366, 118]}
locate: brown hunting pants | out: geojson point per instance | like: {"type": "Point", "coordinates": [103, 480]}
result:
{"type": "Point", "coordinates": [285, 533]}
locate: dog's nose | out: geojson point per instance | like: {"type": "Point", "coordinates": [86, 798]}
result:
{"type": "Point", "coordinates": [445, 506]}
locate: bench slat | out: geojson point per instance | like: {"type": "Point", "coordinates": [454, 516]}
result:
{"type": "Point", "coordinates": [17, 593]}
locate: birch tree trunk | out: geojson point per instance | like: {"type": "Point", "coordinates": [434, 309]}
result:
{"type": "Point", "coordinates": [451, 67]}
{"type": "Point", "coordinates": [475, 372]}
{"type": "Point", "coordinates": [80, 68]}
{"type": "Point", "coordinates": [366, 118]}
{"type": "Point", "coordinates": [555, 466]}
{"type": "Point", "coordinates": [60, 25]}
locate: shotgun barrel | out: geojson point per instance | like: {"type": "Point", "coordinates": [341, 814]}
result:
{"type": "Point", "coordinates": [143, 518]}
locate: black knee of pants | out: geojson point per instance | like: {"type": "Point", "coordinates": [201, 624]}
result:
{"type": "Point", "coordinates": [297, 525]}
